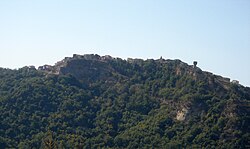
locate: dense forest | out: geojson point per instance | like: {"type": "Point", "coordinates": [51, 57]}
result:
{"type": "Point", "coordinates": [105, 102]}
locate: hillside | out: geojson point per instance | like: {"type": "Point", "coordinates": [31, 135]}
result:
{"type": "Point", "coordinates": [92, 101]}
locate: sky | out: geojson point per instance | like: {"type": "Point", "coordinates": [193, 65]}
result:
{"type": "Point", "coordinates": [216, 33]}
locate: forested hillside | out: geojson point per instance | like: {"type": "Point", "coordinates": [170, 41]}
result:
{"type": "Point", "coordinates": [103, 102]}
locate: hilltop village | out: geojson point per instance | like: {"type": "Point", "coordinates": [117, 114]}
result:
{"type": "Point", "coordinates": [181, 69]}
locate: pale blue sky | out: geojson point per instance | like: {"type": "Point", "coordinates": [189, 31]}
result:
{"type": "Point", "coordinates": [216, 33]}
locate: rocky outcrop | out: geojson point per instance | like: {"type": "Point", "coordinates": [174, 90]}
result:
{"type": "Point", "coordinates": [87, 69]}
{"type": "Point", "coordinates": [181, 114]}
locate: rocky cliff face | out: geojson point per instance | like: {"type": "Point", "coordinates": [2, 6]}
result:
{"type": "Point", "coordinates": [87, 69]}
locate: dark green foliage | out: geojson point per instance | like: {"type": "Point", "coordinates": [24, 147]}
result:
{"type": "Point", "coordinates": [134, 106]}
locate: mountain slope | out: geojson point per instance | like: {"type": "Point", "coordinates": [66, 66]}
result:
{"type": "Point", "coordinates": [91, 101]}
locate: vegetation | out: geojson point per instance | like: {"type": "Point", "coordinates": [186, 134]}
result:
{"type": "Point", "coordinates": [134, 106]}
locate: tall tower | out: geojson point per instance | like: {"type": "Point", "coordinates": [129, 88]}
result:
{"type": "Point", "coordinates": [195, 63]}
